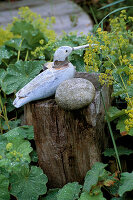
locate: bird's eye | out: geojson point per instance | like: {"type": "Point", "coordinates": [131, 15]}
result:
{"type": "Point", "coordinates": [66, 51]}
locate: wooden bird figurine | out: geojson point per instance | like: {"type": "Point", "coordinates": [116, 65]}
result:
{"type": "Point", "coordinates": [45, 84]}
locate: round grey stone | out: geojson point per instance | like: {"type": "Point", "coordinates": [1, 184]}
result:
{"type": "Point", "coordinates": [74, 94]}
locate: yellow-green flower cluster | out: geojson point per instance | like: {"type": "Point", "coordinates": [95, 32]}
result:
{"type": "Point", "coordinates": [118, 24]}
{"type": "Point", "coordinates": [129, 112]}
{"type": "Point", "coordinates": [130, 81]}
{"type": "Point", "coordinates": [124, 60]}
{"type": "Point", "coordinates": [38, 22]}
{"type": "Point", "coordinates": [5, 35]}
{"type": "Point", "coordinates": [16, 155]}
{"type": "Point", "coordinates": [106, 78]}
{"type": "Point", "coordinates": [103, 36]}
{"type": "Point", "coordinates": [9, 146]}
{"type": "Point", "coordinates": [91, 54]}
{"type": "Point", "coordinates": [39, 51]}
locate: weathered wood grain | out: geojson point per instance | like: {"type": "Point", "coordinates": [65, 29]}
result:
{"type": "Point", "coordinates": [68, 143]}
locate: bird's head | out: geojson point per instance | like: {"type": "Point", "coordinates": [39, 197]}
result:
{"type": "Point", "coordinates": [62, 53]}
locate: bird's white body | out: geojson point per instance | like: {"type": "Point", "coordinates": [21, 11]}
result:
{"type": "Point", "coordinates": [44, 85]}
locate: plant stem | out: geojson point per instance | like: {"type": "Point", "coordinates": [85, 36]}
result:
{"type": "Point", "coordinates": [19, 50]}
{"type": "Point", "coordinates": [111, 133]}
{"type": "Point", "coordinates": [5, 63]}
{"type": "Point", "coordinates": [4, 113]}
{"type": "Point", "coordinates": [26, 57]}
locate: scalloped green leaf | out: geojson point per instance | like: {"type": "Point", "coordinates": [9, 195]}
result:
{"type": "Point", "coordinates": [29, 184]}
{"type": "Point", "coordinates": [51, 195]}
{"type": "Point", "coordinates": [118, 88]}
{"type": "Point", "coordinates": [94, 175]}
{"type": "Point", "coordinates": [118, 198]}
{"type": "Point", "coordinates": [69, 192]}
{"type": "Point", "coordinates": [87, 196]}
{"type": "Point", "coordinates": [121, 151]}
{"type": "Point", "coordinates": [12, 124]}
{"type": "Point", "coordinates": [20, 74]}
{"type": "Point", "coordinates": [21, 132]}
{"type": "Point", "coordinates": [126, 183]}
{"type": "Point", "coordinates": [34, 156]}
{"type": "Point", "coordinates": [122, 69]}
{"type": "Point", "coordinates": [16, 43]}
{"type": "Point", "coordinates": [29, 33]}
{"type": "Point", "coordinates": [130, 132]}
{"type": "Point", "coordinates": [114, 113]}
{"type": "Point", "coordinates": [4, 184]}
{"type": "Point", "coordinates": [120, 124]}
{"type": "Point", "coordinates": [118, 93]}
{"type": "Point", "coordinates": [4, 53]}
{"type": "Point", "coordinates": [24, 147]}
{"type": "Point", "coordinates": [79, 63]}
{"type": "Point", "coordinates": [2, 74]}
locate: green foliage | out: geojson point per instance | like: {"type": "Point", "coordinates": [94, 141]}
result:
{"type": "Point", "coordinates": [87, 196]}
{"type": "Point", "coordinates": [121, 151]}
{"type": "Point", "coordinates": [20, 132]}
{"type": "Point", "coordinates": [29, 184]}
{"type": "Point", "coordinates": [19, 74]}
{"type": "Point", "coordinates": [25, 182]}
{"type": "Point", "coordinates": [91, 180]}
{"type": "Point", "coordinates": [69, 192]}
{"type": "Point", "coordinates": [15, 151]}
{"type": "Point", "coordinates": [5, 54]}
{"type": "Point", "coordinates": [31, 37]}
{"type": "Point", "coordinates": [95, 179]}
{"type": "Point", "coordinates": [4, 184]}
{"type": "Point", "coordinates": [30, 40]}
{"type": "Point", "coordinates": [120, 124]}
{"type": "Point", "coordinates": [2, 74]}
{"type": "Point", "coordinates": [113, 55]}
{"type": "Point", "coordinates": [51, 194]}
{"type": "Point", "coordinates": [114, 113]}
{"type": "Point", "coordinates": [126, 183]}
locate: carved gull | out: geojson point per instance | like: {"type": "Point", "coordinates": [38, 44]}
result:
{"type": "Point", "coordinates": [45, 84]}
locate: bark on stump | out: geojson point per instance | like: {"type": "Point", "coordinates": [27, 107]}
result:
{"type": "Point", "coordinates": [68, 142]}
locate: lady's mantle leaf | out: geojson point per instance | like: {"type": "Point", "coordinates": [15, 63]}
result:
{"type": "Point", "coordinates": [4, 53]}
{"type": "Point", "coordinates": [114, 113]}
{"type": "Point", "coordinates": [94, 175]}
{"type": "Point", "coordinates": [87, 196]}
{"type": "Point", "coordinates": [4, 183]}
{"type": "Point", "coordinates": [16, 43]}
{"type": "Point", "coordinates": [120, 124]}
{"type": "Point", "coordinates": [29, 33]}
{"type": "Point", "coordinates": [28, 185]}
{"type": "Point", "coordinates": [2, 74]}
{"type": "Point", "coordinates": [126, 183]}
{"type": "Point", "coordinates": [121, 151]}
{"type": "Point", "coordinates": [23, 147]}
{"type": "Point", "coordinates": [69, 192]}
{"type": "Point", "coordinates": [19, 75]}
{"type": "Point", "coordinates": [20, 132]}
{"type": "Point", "coordinates": [51, 195]}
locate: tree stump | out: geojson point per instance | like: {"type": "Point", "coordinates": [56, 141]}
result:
{"type": "Point", "coordinates": [68, 142]}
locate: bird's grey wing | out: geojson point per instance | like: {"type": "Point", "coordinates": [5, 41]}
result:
{"type": "Point", "coordinates": [38, 81]}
